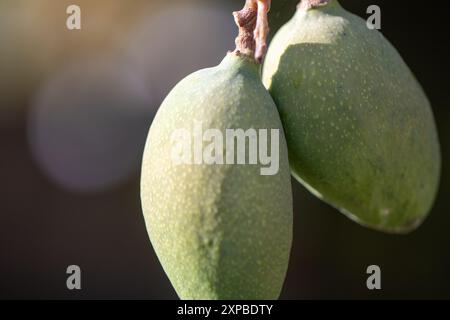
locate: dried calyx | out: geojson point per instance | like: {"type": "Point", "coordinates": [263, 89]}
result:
{"type": "Point", "coordinates": [253, 29]}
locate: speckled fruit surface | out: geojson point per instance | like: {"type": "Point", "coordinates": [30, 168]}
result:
{"type": "Point", "coordinates": [220, 231]}
{"type": "Point", "coordinates": [360, 130]}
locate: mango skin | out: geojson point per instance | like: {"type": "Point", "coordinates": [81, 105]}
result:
{"type": "Point", "coordinates": [220, 231]}
{"type": "Point", "coordinates": [360, 130]}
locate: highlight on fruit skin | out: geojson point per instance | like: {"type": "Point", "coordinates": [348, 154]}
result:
{"type": "Point", "coordinates": [360, 130]}
{"type": "Point", "coordinates": [220, 231]}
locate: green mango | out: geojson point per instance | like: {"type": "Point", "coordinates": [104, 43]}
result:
{"type": "Point", "coordinates": [360, 130]}
{"type": "Point", "coordinates": [220, 231]}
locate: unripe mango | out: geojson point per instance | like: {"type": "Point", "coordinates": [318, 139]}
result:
{"type": "Point", "coordinates": [360, 130]}
{"type": "Point", "coordinates": [221, 231]}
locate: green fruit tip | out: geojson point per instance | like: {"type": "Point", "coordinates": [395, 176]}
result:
{"type": "Point", "coordinates": [312, 4]}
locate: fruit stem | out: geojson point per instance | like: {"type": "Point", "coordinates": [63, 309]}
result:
{"type": "Point", "coordinates": [253, 29]}
{"type": "Point", "coordinates": [311, 4]}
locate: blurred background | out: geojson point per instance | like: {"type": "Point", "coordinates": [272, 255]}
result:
{"type": "Point", "coordinates": [75, 108]}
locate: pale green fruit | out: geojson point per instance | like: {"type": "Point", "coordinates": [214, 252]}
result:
{"type": "Point", "coordinates": [360, 130]}
{"type": "Point", "coordinates": [221, 231]}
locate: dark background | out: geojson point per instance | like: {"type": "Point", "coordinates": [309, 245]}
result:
{"type": "Point", "coordinates": [69, 177]}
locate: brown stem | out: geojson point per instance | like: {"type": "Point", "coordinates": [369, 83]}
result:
{"type": "Point", "coordinates": [311, 4]}
{"type": "Point", "coordinates": [261, 30]}
{"type": "Point", "coordinates": [253, 29]}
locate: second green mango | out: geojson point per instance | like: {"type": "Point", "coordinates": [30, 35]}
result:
{"type": "Point", "coordinates": [360, 130]}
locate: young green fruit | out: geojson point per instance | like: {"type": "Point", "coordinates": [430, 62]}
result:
{"type": "Point", "coordinates": [221, 231]}
{"type": "Point", "coordinates": [360, 130]}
